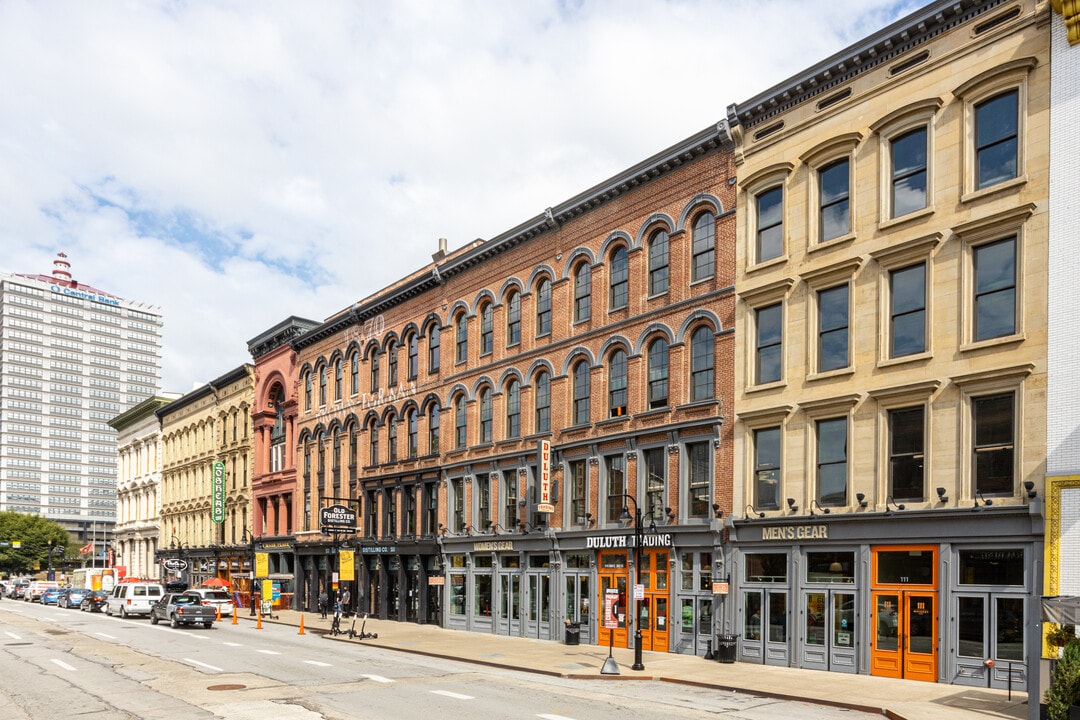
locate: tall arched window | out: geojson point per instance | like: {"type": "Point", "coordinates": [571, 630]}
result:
{"type": "Point", "coordinates": [581, 393]}
{"type": "Point", "coordinates": [307, 390]}
{"type": "Point", "coordinates": [513, 319]}
{"type": "Point", "coordinates": [704, 247]}
{"type": "Point", "coordinates": [374, 361]}
{"type": "Point", "coordinates": [392, 363]}
{"type": "Point", "coordinates": [414, 356]}
{"type": "Point", "coordinates": [701, 364]}
{"type": "Point", "coordinates": [460, 426]}
{"type": "Point", "coordinates": [487, 329]}
{"type": "Point", "coordinates": [658, 263]}
{"type": "Point", "coordinates": [658, 374]}
{"type": "Point", "coordinates": [373, 443]}
{"type": "Point", "coordinates": [582, 292]}
{"type": "Point", "coordinates": [461, 340]}
{"type": "Point", "coordinates": [338, 379]}
{"type": "Point", "coordinates": [277, 432]}
{"type": "Point", "coordinates": [619, 293]}
{"type": "Point", "coordinates": [485, 415]}
{"type": "Point", "coordinates": [543, 402]}
{"type": "Point", "coordinates": [433, 428]}
{"type": "Point", "coordinates": [391, 435]}
{"type": "Point", "coordinates": [354, 372]}
{"type": "Point", "coordinates": [543, 308]}
{"type": "Point", "coordinates": [433, 349]}
{"type": "Point", "coordinates": [617, 384]}
{"type": "Point", "coordinates": [413, 422]}
{"type": "Point", "coordinates": [322, 385]}
{"type": "Point", "coordinates": [513, 409]}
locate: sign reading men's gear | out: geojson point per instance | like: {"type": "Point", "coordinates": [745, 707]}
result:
{"type": "Point", "coordinates": [338, 519]}
{"type": "Point", "coordinates": [543, 453]}
{"type": "Point", "coordinates": [217, 486]}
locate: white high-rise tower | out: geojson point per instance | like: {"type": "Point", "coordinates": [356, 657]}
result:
{"type": "Point", "coordinates": [72, 357]}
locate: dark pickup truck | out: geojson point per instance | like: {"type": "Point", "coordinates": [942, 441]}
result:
{"type": "Point", "coordinates": [182, 609]}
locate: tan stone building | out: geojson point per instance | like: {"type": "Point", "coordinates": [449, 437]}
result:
{"type": "Point", "coordinates": [209, 425]}
{"type": "Point", "coordinates": [890, 368]}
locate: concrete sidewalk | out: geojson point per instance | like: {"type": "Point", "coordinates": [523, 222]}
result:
{"type": "Point", "coordinates": [900, 699]}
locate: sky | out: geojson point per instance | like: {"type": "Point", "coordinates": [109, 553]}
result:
{"type": "Point", "coordinates": [236, 163]}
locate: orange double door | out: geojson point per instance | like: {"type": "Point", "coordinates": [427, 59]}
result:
{"type": "Point", "coordinates": [613, 572]}
{"type": "Point", "coordinates": [904, 613]}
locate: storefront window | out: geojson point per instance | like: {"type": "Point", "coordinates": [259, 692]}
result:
{"type": "Point", "coordinates": [577, 560]}
{"type": "Point", "coordinates": [992, 567]}
{"type": "Point", "coordinates": [613, 560]}
{"type": "Point", "coordinates": [766, 567]}
{"type": "Point", "coordinates": [457, 593]}
{"type": "Point", "coordinates": [539, 561]}
{"type": "Point", "coordinates": [482, 561]}
{"type": "Point", "coordinates": [1010, 628]}
{"type": "Point", "coordinates": [509, 561]}
{"type": "Point", "coordinates": [482, 595]}
{"type": "Point", "coordinates": [971, 626]}
{"type": "Point", "coordinates": [688, 571]}
{"type": "Point", "coordinates": [830, 567]}
{"type": "Point", "coordinates": [903, 567]}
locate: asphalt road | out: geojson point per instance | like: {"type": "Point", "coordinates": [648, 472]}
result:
{"type": "Point", "coordinates": [63, 663]}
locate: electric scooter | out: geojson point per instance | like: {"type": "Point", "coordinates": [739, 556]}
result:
{"type": "Point", "coordinates": [361, 635]}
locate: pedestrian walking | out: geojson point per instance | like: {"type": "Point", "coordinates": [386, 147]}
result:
{"type": "Point", "coordinates": [324, 602]}
{"type": "Point", "coordinates": [346, 599]}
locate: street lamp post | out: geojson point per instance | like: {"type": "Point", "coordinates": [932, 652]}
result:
{"type": "Point", "coordinates": [251, 545]}
{"type": "Point", "coordinates": [639, 537]}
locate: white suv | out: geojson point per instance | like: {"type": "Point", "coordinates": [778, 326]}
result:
{"type": "Point", "coordinates": [133, 598]}
{"type": "Point", "coordinates": [215, 598]}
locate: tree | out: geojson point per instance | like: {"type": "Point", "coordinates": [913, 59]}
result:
{"type": "Point", "coordinates": [34, 535]}
{"type": "Point", "coordinates": [1064, 687]}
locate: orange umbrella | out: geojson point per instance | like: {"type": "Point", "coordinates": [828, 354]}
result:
{"type": "Point", "coordinates": [215, 582]}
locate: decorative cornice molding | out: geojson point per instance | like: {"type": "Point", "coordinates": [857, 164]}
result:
{"type": "Point", "coordinates": [1070, 11]}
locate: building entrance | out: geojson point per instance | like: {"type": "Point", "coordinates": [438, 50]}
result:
{"type": "Point", "coordinates": [830, 632]}
{"type": "Point", "coordinates": [904, 617]}
{"type": "Point", "coordinates": [613, 572]}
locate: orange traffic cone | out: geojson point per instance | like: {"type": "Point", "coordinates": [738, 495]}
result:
{"type": "Point", "coordinates": [301, 624]}
{"type": "Point", "coordinates": [258, 622]}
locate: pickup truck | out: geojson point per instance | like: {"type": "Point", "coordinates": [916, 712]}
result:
{"type": "Point", "coordinates": [182, 609]}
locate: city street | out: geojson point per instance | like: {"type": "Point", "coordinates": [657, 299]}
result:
{"type": "Point", "coordinates": [55, 659]}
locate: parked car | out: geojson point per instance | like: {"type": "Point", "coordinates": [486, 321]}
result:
{"type": "Point", "coordinates": [215, 598]}
{"type": "Point", "coordinates": [182, 609]}
{"type": "Point", "coordinates": [51, 596]}
{"type": "Point", "coordinates": [72, 598]}
{"type": "Point", "coordinates": [34, 590]}
{"type": "Point", "coordinates": [94, 601]}
{"type": "Point", "coordinates": [133, 598]}
{"type": "Point", "coordinates": [17, 588]}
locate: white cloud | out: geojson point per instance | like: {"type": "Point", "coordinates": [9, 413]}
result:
{"type": "Point", "coordinates": [237, 163]}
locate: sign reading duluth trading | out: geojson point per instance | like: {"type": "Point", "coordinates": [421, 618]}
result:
{"type": "Point", "coordinates": [337, 518]}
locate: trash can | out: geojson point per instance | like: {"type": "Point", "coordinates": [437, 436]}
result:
{"type": "Point", "coordinates": [726, 647]}
{"type": "Point", "coordinates": [573, 633]}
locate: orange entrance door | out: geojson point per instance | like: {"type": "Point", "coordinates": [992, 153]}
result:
{"type": "Point", "coordinates": [655, 627]}
{"type": "Point", "coordinates": [905, 635]}
{"type": "Point", "coordinates": [612, 573]}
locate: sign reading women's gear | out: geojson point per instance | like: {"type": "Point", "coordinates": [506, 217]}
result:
{"type": "Point", "coordinates": [217, 486]}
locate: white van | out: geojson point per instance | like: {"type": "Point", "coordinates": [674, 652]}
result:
{"type": "Point", "coordinates": [133, 598]}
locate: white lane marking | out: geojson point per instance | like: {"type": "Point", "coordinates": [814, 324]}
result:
{"type": "Point", "coordinates": [234, 644]}
{"type": "Point", "coordinates": [111, 637]}
{"type": "Point", "coordinates": [202, 664]}
{"type": "Point", "coordinates": [268, 652]}
{"type": "Point", "coordinates": [378, 678]}
{"type": "Point", "coordinates": [63, 664]}
{"type": "Point", "coordinates": [554, 717]}
{"type": "Point", "coordinates": [12, 635]}
{"type": "Point", "coordinates": [316, 662]}
{"type": "Point", "coordinates": [456, 696]}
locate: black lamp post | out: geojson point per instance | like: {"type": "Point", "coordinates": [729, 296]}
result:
{"type": "Point", "coordinates": [251, 549]}
{"type": "Point", "coordinates": [639, 537]}
{"type": "Point", "coordinates": [53, 549]}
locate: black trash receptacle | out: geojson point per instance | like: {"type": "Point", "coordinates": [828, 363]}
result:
{"type": "Point", "coordinates": [726, 648]}
{"type": "Point", "coordinates": [573, 634]}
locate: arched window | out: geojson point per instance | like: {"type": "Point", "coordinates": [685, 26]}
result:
{"type": "Point", "coordinates": [414, 432]}
{"type": "Point", "coordinates": [354, 372]}
{"type": "Point", "coordinates": [485, 415]}
{"type": "Point", "coordinates": [581, 393]}
{"type": "Point", "coordinates": [433, 428]}
{"type": "Point", "coordinates": [513, 409]}
{"type": "Point", "coordinates": [338, 380]}
{"type": "Point", "coordinates": [582, 292]}
{"type": "Point", "coordinates": [617, 384]}
{"type": "Point", "coordinates": [513, 319]}
{"type": "Point", "coordinates": [487, 329]}
{"type": "Point", "coordinates": [392, 362]}
{"type": "Point", "coordinates": [374, 361]}
{"type": "Point", "coordinates": [701, 364]}
{"type": "Point", "coordinates": [414, 356]}
{"type": "Point", "coordinates": [433, 349]}
{"type": "Point", "coordinates": [277, 432]}
{"type": "Point", "coordinates": [658, 374]}
{"type": "Point", "coordinates": [307, 390]}
{"type": "Point", "coordinates": [373, 443]}
{"type": "Point", "coordinates": [322, 385]}
{"type": "Point", "coordinates": [658, 263]}
{"type": "Point", "coordinates": [620, 279]}
{"type": "Point", "coordinates": [460, 427]}
{"type": "Point", "coordinates": [462, 339]}
{"type": "Point", "coordinates": [543, 402]}
{"type": "Point", "coordinates": [391, 434]}
{"type": "Point", "coordinates": [543, 308]}
{"type": "Point", "coordinates": [704, 247]}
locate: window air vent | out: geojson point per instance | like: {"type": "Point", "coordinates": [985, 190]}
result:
{"type": "Point", "coordinates": [833, 99]}
{"type": "Point", "coordinates": [766, 132]}
{"type": "Point", "coordinates": [910, 63]}
{"type": "Point", "coordinates": [995, 21]}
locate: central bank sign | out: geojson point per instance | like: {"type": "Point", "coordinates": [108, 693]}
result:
{"type": "Point", "coordinates": [217, 489]}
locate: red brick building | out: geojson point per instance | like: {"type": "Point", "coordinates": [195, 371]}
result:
{"type": "Point", "coordinates": [494, 414]}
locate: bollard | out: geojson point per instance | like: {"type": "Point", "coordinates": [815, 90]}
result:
{"type": "Point", "coordinates": [218, 618]}
{"type": "Point", "coordinates": [234, 614]}
{"type": "Point", "coordinates": [301, 632]}
{"type": "Point", "coordinates": [258, 622]}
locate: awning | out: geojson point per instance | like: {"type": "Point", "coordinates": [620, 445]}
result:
{"type": "Point", "coordinates": [1061, 609]}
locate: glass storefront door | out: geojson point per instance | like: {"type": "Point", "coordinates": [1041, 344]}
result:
{"type": "Point", "coordinates": [538, 620]}
{"type": "Point", "coordinates": [509, 604]}
{"type": "Point", "coordinates": [579, 604]}
{"type": "Point", "coordinates": [612, 573]}
{"type": "Point", "coordinates": [989, 626]}
{"type": "Point", "coordinates": [829, 631]}
{"type": "Point", "coordinates": [764, 620]}
{"type": "Point", "coordinates": [905, 635]}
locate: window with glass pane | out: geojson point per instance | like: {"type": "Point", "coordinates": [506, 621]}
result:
{"type": "Point", "coordinates": [322, 385]}
{"type": "Point", "coordinates": [354, 373]}
{"type": "Point", "coordinates": [513, 409]}
{"type": "Point", "coordinates": [902, 567]}
{"type": "Point", "coordinates": [834, 185]}
{"type": "Point", "coordinates": [414, 433]}
{"type": "Point", "coordinates": [993, 420]}
{"type": "Point", "coordinates": [581, 393]}
{"type": "Point", "coordinates": [658, 374]}
{"type": "Point", "coordinates": [373, 363]}
{"type": "Point", "coordinates": [307, 391]}
{"type": "Point", "coordinates": [620, 279]}
{"type": "Point", "coordinates": [482, 595]}
{"type": "Point", "coordinates": [459, 423]}
{"type": "Point", "coordinates": [768, 352]}
{"type": "Point", "coordinates": [373, 444]}
{"type": "Point", "coordinates": [770, 224]}
{"type": "Point", "coordinates": [996, 139]}
{"type": "Point", "coordinates": [655, 484]}
{"type": "Point", "coordinates": [431, 508]}
{"type": "Point", "coordinates": [543, 402]}
{"type": "Point", "coordinates": [483, 503]}
{"type": "Point", "coordinates": [485, 415]}
{"type": "Point", "coordinates": [543, 308]}
{"type": "Point", "coordinates": [906, 461]}
{"type": "Point", "coordinates": [702, 264]}
{"type": "Point", "coordinates": [462, 340]}
{"type": "Point", "coordinates": [409, 525]}
{"type": "Point", "coordinates": [433, 349]}
{"type": "Point", "coordinates": [457, 505]}
{"type": "Point", "coordinates": [392, 363]}
{"type": "Point", "coordinates": [617, 384]}
{"type": "Point", "coordinates": [513, 319]}
{"type": "Point", "coordinates": [971, 627]}
{"type": "Point", "coordinates": [833, 328]}
{"type": "Point", "coordinates": [995, 289]}
{"type": "Point", "coordinates": [390, 506]}
{"type": "Point", "coordinates": [487, 329]}
{"type": "Point", "coordinates": [510, 499]}
{"type": "Point", "coordinates": [766, 567]}
{"type": "Point", "coordinates": [830, 567]}
{"type": "Point", "coordinates": [582, 292]}
{"type": "Point", "coordinates": [909, 172]}
{"type": "Point", "coordinates": [698, 456]}
{"type": "Point", "coordinates": [579, 487]}
{"type": "Point", "coordinates": [767, 468]}
{"type": "Point", "coordinates": [392, 437]}
{"type": "Point", "coordinates": [658, 263]}
{"type": "Point", "coordinates": [433, 428]}
{"type": "Point", "coordinates": [414, 356]}
{"type": "Point", "coordinates": [832, 461]}
{"type": "Point", "coordinates": [372, 507]}
{"type": "Point", "coordinates": [701, 365]}
{"type": "Point", "coordinates": [907, 310]}
{"type": "Point", "coordinates": [616, 486]}
{"type": "Point", "coordinates": [1009, 628]}
{"type": "Point", "coordinates": [338, 380]}
{"type": "Point", "coordinates": [992, 566]}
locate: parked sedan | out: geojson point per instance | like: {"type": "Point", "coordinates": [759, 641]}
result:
{"type": "Point", "coordinates": [182, 609]}
{"type": "Point", "coordinates": [72, 598]}
{"type": "Point", "coordinates": [51, 596]}
{"type": "Point", "coordinates": [94, 601]}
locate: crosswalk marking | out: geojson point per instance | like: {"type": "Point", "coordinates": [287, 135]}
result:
{"type": "Point", "coordinates": [63, 664]}
{"type": "Point", "coordinates": [316, 662]}
{"type": "Point", "coordinates": [111, 637]}
{"type": "Point", "coordinates": [378, 678]}
{"type": "Point", "coordinates": [268, 652]}
{"type": "Point", "coordinates": [12, 635]}
{"type": "Point", "coordinates": [202, 664]}
{"type": "Point", "coordinates": [230, 644]}
{"type": "Point", "coordinates": [456, 696]}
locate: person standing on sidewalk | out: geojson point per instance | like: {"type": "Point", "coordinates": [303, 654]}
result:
{"type": "Point", "coordinates": [324, 602]}
{"type": "Point", "coordinates": [346, 599]}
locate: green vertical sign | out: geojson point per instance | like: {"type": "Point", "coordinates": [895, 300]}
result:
{"type": "Point", "coordinates": [217, 505]}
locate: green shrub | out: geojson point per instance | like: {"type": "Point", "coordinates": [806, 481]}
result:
{"type": "Point", "coordinates": [1064, 687]}
{"type": "Point", "coordinates": [1061, 635]}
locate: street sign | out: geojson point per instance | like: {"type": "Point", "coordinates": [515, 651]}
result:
{"type": "Point", "coordinates": [174, 564]}
{"type": "Point", "coordinates": [639, 591]}
{"type": "Point", "coordinates": [217, 486]}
